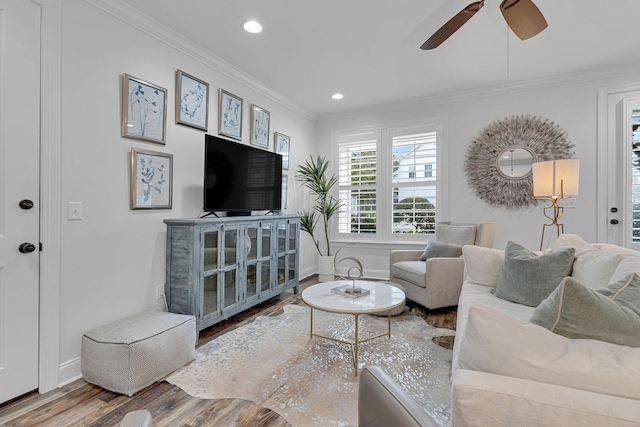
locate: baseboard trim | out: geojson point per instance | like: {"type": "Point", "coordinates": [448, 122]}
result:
{"type": "Point", "coordinates": [69, 371]}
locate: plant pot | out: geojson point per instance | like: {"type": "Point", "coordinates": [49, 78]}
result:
{"type": "Point", "coordinates": [326, 268]}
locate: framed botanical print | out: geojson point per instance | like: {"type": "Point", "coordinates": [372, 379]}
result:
{"type": "Point", "coordinates": [282, 143]}
{"type": "Point", "coordinates": [229, 115]}
{"type": "Point", "coordinates": [192, 101]}
{"type": "Point", "coordinates": [144, 110]}
{"type": "Point", "coordinates": [260, 119]}
{"type": "Point", "coordinates": [151, 179]}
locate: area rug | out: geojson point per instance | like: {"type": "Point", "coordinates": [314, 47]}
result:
{"type": "Point", "coordinates": [310, 381]}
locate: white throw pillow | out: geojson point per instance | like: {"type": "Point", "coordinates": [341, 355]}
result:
{"type": "Point", "coordinates": [483, 265]}
{"type": "Point", "coordinates": [629, 264]}
{"type": "Point", "coordinates": [595, 269]}
{"type": "Point", "coordinates": [497, 343]}
{"type": "Point", "coordinates": [574, 241]}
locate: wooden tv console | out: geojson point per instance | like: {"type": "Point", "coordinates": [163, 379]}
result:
{"type": "Point", "coordinates": [217, 267]}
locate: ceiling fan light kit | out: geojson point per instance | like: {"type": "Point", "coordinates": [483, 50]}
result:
{"type": "Point", "coordinates": [523, 17]}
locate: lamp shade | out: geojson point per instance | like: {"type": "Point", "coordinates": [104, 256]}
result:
{"type": "Point", "coordinates": [556, 178]}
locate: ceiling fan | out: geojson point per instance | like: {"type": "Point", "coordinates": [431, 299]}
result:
{"type": "Point", "coordinates": [523, 17]}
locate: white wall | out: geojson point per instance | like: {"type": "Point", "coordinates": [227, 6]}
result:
{"type": "Point", "coordinates": [114, 257]}
{"type": "Point", "coordinates": [573, 106]}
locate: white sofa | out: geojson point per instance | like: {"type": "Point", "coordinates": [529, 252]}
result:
{"type": "Point", "coordinates": [507, 371]}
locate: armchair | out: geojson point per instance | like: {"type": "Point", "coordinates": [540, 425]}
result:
{"type": "Point", "coordinates": [436, 282]}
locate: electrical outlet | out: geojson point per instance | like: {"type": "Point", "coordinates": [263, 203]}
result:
{"type": "Point", "coordinates": [159, 291]}
{"type": "Point", "coordinates": [570, 203]}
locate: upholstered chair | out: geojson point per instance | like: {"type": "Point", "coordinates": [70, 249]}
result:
{"type": "Point", "coordinates": [433, 277]}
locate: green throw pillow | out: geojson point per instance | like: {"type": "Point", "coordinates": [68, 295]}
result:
{"type": "Point", "coordinates": [575, 311]}
{"type": "Point", "coordinates": [438, 249]}
{"type": "Point", "coordinates": [626, 292]}
{"type": "Point", "coordinates": [528, 278]}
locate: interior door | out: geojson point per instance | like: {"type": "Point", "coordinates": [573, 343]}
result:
{"type": "Point", "coordinates": [623, 186]}
{"type": "Point", "coordinates": [19, 196]}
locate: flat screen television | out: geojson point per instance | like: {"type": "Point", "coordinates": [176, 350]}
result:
{"type": "Point", "coordinates": [239, 178]}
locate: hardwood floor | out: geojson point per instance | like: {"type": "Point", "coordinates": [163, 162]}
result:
{"type": "Point", "coordinates": [83, 404]}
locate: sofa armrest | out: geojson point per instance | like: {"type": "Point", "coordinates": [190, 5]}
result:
{"type": "Point", "coordinates": [480, 398]}
{"type": "Point", "coordinates": [382, 403]}
{"type": "Point", "coordinates": [444, 280]}
{"type": "Point", "coordinates": [141, 418]}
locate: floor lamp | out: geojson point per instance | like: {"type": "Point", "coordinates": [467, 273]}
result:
{"type": "Point", "coordinates": [554, 180]}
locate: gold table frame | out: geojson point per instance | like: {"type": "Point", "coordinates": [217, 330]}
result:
{"type": "Point", "coordinates": [384, 298]}
{"type": "Point", "coordinates": [354, 344]}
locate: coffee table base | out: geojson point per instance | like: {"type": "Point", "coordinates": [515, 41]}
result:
{"type": "Point", "coordinates": [354, 344]}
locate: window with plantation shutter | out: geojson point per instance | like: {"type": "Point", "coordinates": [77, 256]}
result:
{"type": "Point", "coordinates": [357, 182]}
{"type": "Point", "coordinates": [414, 195]}
{"type": "Point", "coordinates": [388, 182]}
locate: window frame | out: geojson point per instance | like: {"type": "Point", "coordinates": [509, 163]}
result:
{"type": "Point", "coordinates": [384, 196]}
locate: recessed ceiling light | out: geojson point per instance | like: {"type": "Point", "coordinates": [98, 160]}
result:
{"type": "Point", "coordinates": [252, 27]}
{"type": "Point", "coordinates": [337, 96]}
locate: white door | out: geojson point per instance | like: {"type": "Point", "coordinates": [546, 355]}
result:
{"type": "Point", "coordinates": [623, 169]}
{"type": "Point", "coordinates": [19, 180]}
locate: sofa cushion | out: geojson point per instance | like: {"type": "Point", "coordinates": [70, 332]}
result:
{"type": "Point", "coordinates": [500, 344]}
{"type": "Point", "coordinates": [456, 234]}
{"type": "Point", "coordinates": [625, 292]}
{"type": "Point", "coordinates": [592, 267]}
{"type": "Point", "coordinates": [440, 249]}
{"type": "Point", "coordinates": [483, 265]}
{"type": "Point", "coordinates": [575, 311]}
{"type": "Point", "coordinates": [412, 271]}
{"type": "Point", "coordinates": [595, 269]}
{"type": "Point", "coordinates": [629, 264]}
{"type": "Point", "coordinates": [528, 278]}
{"type": "Point", "coordinates": [574, 241]}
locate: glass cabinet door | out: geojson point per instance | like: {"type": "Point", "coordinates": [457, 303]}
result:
{"type": "Point", "coordinates": [229, 260]}
{"type": "Point", "coordinates": [251, 234]}
{"type": "Point", "coordinates": [210, 249]}
{"type": "Point", "coordinates": [210, 295]}
{"type": "Point", "coordinates": [265, 257]}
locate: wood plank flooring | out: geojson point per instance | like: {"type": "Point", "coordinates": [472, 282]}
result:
{"type": "Point", "coordinates": [81, 404]}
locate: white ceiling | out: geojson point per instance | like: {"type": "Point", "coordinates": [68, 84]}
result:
{"type": "Point", "coordinates": [369, 49]}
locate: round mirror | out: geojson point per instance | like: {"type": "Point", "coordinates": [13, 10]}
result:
{"type": "Point", "coordinates": [515, 162]}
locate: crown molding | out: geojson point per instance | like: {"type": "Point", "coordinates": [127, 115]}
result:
{"type": "Point", "coordinates": [153, 28]}
{"type": "Point", "coordinates": [489, 91]}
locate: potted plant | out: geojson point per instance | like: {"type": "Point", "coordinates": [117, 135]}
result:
{"type": "Point", "coordinates": [313, 175]}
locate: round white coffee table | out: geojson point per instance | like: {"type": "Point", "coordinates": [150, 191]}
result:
{"type": "Point", "coordinates": [381, 298]}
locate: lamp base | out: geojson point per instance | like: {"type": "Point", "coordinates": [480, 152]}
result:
{"type": "Point", "coordinates": [558, 211]}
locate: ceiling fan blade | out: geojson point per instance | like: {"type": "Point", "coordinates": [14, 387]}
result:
{"type": "Point", "coordinates": [452, 25]}
{"type": "Point", "coordinates": [523, 17]}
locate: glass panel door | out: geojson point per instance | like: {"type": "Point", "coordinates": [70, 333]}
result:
{"type": "Point", "coordinates": [210, 249]}
{"type": "Point", "coordinates": [251, 233]}
{"type": "Point", "coordinates": [210, 295]}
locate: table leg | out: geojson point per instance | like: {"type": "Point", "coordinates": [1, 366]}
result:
{"type": "Point", "coordinates": [355, 353]}
{"type": "Point", "coordinates": [311, 322]}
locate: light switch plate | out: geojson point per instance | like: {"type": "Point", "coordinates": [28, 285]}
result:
{"type": "Point", "coordinates": [74, 211]}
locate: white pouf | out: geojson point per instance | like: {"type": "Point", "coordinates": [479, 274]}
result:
{"type": "Point", "coordinates": [133, 353]}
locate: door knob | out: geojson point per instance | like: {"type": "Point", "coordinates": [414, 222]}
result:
{"type": "Point", "coordinates": [25, 204]}
{"type": "Point", "coordinates": [614, 221]}
{"type": "Point", "coordinates": [25, 248]}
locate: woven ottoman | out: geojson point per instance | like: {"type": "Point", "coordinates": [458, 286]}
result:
{"type": "Point", "coordinates": [133, 353]}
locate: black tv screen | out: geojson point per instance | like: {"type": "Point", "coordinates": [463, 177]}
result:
{"type": "Point", "coordinates": [240, 178]}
